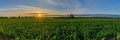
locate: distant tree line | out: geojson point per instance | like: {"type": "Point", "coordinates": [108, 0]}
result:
{"type": "Point", "coordinates": [61, 17]}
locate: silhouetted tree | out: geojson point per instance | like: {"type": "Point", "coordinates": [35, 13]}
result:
{"type": "Point", "coordinates": [19, 16]}
{"type": "Point", "coordinates": [71, 16]}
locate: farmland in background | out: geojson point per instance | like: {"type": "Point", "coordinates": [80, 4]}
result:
{"type": "Point", "coordinates": [60, 29]}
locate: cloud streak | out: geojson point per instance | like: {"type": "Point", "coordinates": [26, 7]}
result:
{"type": "Point", "coordinates": [22, 9]}
{"type": "Point", "coordinates": [51, 7]}
{"type": "Point", "coordinates": [73, 5]}
{"type": "Point", "coordinates": [52, 2]}
{"type": "Point", "coordinates": [65, 3]}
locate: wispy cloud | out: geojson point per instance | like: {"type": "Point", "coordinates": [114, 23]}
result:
{"type": "Point", "coordinates": [7, 9]}
{"type": "Point", "coordinates": [68, 7]}
{"type": "Point", "coordinates": [65, 3]}
{"type": "Point", "coordinates": [72, 3]}
{"type": "Point", "coordinates": [22, 9]}
{"type": "Point", "coordinates": [52, 2]}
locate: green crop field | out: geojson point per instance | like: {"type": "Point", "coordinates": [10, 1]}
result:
{"type": "Point", "coordinates": [60, 29]}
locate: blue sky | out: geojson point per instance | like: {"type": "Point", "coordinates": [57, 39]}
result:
{"type": "Point", "coordinates": [61, 6]}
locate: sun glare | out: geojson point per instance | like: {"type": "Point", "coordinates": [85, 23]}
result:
{"type": "Point", "coordinates": [39, 16]}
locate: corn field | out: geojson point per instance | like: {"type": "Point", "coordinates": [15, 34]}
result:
{"type": "Point", "coordinates": [60, 29]}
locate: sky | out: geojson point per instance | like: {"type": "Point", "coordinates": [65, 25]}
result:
{"type": "Point", "coordinates": [60, 6]}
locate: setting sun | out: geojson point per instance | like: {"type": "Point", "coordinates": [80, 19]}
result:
{"type": "Point", "coordinates": [39, 16]}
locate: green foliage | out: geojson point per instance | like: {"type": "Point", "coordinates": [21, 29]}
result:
{"type": "Point", "coordinates": [60, 29]}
